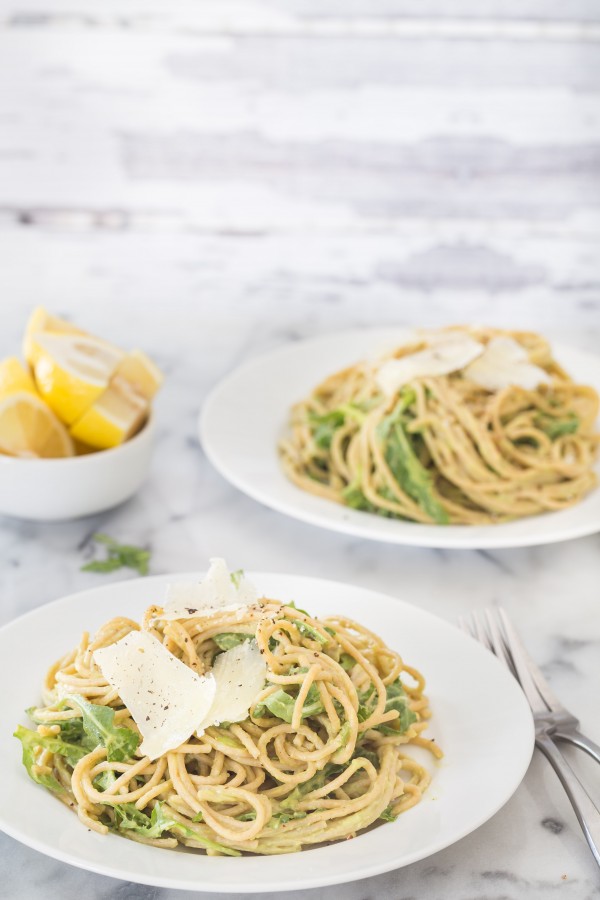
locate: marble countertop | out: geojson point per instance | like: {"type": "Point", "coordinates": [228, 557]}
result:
{"type": "Point", "coordinates": [186, 513]}
{"type": "Point", "coordinates": [242, 175]}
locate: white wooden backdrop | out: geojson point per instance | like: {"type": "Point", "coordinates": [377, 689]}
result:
{"type": "Point", "coordinates": [262, 152]}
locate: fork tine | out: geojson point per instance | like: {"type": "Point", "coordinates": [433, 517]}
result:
{"type": "Point", "coordinates": [497, 638]}
{"type": "Point", "coordinates": [540, 682]}
{"type": "Point", "coordinates": [520, 662]}
{"type": "Point", "coordinates": [480, 631]}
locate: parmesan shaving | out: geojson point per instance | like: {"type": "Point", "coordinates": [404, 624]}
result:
{"type": "Point", "coordinates": [219, 592]}
{"type": "Point", "coordinates": [165, 697]}
{"type": "Point", "coordinates": [503, 363]}
{"type": "Point", "coordinates": [442, 357]}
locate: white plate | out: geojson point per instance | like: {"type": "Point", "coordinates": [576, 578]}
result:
{"type": "Point", "coordinates": [246, 414]}
{"type": "Point", "coordinates": [480, 718]}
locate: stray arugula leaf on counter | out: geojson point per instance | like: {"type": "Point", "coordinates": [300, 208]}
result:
{"type": "Point", "coordinates": [118, 556]}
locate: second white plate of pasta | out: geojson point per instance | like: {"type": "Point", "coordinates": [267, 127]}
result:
{"type": "Point", "coordinates": [438, 462]}
{"type": "Point", "coordinates": [478, 716]}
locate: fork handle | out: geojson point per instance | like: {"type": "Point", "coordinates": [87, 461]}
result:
{"type": "Point", "coordinates": [586, 811]}
{"type": "Point", "coordinates": [579, 740]}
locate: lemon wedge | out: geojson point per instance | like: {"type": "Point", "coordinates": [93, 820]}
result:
{"type": "Point", "coordinates": [41, 320]}
{"type": "Point", "coordinates": [115, 416]}
{"type": "Point", "coordinates": [72, 371]}
{"type": "Point", "coordinates": [141, 373]}
{"type": "Point", "coordinates": [15, 377]}
{"type": "Point", "coordinates": [29, 429]}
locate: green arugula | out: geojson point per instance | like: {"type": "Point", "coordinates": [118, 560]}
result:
{"type": "Point", "coordinates": [236, 577]}
{"type": "Point", "coordinates": [104, 780]}
{"type": "Point", "coordinates": [30, 740]}
{"type": "Point", "coordinates": [324, 427]}
{"type": "Point", "coordinates": [347, 662]}
{"type": "Point", "coordinates": [555, 428]}
{"type": "Point", "coordinates": [362, 753]}
{"type": "Point", "coordinates": [118, 556]}
{"type": "Point", "coordinates": [249, 816]}
{"type": "Point", "coordinates": [307, 630]}
{"type": "Point", "coordinates": [281, 705]}
{"type": "Point", "coordinates": [387, 815]}
{"type": "Point", "coordinates": [318, 780]}
{"type": "Point", "coordinates": [284, 816]}
{"type": "Point", "coordinates": [98, 724]}
{"type": "Point", "coordinates": [405, 465]}
{"type": "Point", "coordinates": [129, 818]}
{"type": "Point", "coordinates": [353, 497]}
{"type": "Point", "coordinates": [292, 605]}
{"type": "Point", "coordinates": [397, 699]}
{"type": "Point", "coordinates": [228, 639]}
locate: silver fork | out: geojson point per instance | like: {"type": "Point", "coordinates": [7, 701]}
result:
{"type": "Point", "coordinates": [552, 721]}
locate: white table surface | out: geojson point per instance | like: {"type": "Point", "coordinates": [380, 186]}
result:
{"type": "Point", "coordinates": [211, 181]}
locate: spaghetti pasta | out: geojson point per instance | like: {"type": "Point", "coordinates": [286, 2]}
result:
{"type": "Point", "coordinates": [444, 448]}
{"type": "Point", "coordinates": [321, 755]}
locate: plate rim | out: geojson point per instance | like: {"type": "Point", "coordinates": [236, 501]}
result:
{"type": "Point", "coordinates": [409, 534]}
{"type": "Point", "coordinates": [308, 882]}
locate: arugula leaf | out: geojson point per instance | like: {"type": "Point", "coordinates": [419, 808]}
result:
{"type": "Point", "coordinates": [292, 605]}
{"type": "Point", "coordinates": [284, 816]}
{"type": "Point", "coordinates": [249, 816]}
{"type": "Point", "coordinates": [281, 704]}
{"type": "Point", "coordinates": [345, 732]}
{"type": "Point", "coordinates": [221, 734]}
{"type": "Point", "coordinates": [129, 818]}
{"type": "Point", "coordinates": [308, 631]}
{"type": "Point", "coordinates": [347, 662]}
{"type": "Point", "coordinates": [104, 780]}
{"type": "Point", "coordinates": [387, 815]}
{"type": "Point", "coordinates": [71, 730]}
{"type": "Point", "coordinates": [236, 577]}
{"type": "Point", "coordinates": [318, 780]}
{"type": "Point", "coordinates": [305, 629]}
{"type": "Point", "coordinates": [555, 428]}
{"type": "Point", "coordinates": [118, 556]}
{"type": "Point", "coordinates": [396, 699]}
{"type": "Point", "coordinates": [228, 639]}
{"type": "Point", "coordinates": [364, 706]}
{"type": "Point", "coordinates": [353, 497]}
{"type": "Point", "coordinates": [98, 724]}
{"type": "Point", "coordinates": [360, 752]}
{"type": "Point", "coordinates": [406, 467]}
{"type": "Point", "coordinates": [32, 739]}
{"type": "Point", "coordinates": [324, 426]}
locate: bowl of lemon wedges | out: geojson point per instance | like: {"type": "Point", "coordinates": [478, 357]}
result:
{"type": "Point", "coordinates": [76, 425]}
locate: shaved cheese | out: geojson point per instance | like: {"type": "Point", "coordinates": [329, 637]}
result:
{"type": "Point", "coordinates": [447, 354]}
{"type": "Point", "coordinates": [240, 675]}
{"type": "Point", "coordinates": [165, 697]}
{"type": "Point", "coordinates": [219, 592]}
{"type": "Point", "coordinates": [503, 363]}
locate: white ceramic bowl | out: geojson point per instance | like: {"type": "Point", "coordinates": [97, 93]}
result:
{"type": "Point", "coordinates": [49, 490]}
